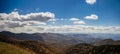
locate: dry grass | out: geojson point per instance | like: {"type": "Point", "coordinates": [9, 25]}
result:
{"type": "Point", "coordinates": [12, 49]}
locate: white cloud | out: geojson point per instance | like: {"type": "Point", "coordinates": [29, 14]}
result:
{"type": "Point", "coordinates": [14, 19]}
{"type": "Point", "coordinates": [74, 19]}
{"type": "Point", "coordinates": [13, 24]}
{"type": "Point", "coordinates": [10, 16]}
{"type": "Point", "coordinates": [91, 1]}
{"type": "Point", "coordinates": [92, 17]}
{"type": "Point", "coordinates": [10, 24]}
{"type": "Point", "coordinates": [66, 29]}
{"type": "Point", "coordinates": [53, 20]}
{"type": "Point", "coordinates": [41, 16]}
{"type": "Point", "coordinates": [79, 22]}
{"type": "Point", "coordinates": [38, 16]}
{"type": "Point", "coordinates": [57, 19]}
{"type": "Point", "coordinates": [36, 22]}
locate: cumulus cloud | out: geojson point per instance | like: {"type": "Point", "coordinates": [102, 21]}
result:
{"type": "Point", "coordinates": [10, 16]}
{"type": "Point", "coordinates": [38, 16]}
{"type": "Point", "coordinates": [10, 24]}
{"type": "Point", "coordinates": [74, 19]}
{"type": "Point", "coordinates": [36, 22]}
{"type": "Point", "coordinates": [13, 24]}
{"type": "Point", "coordinates": [41, 16]}
{"type": "Point", "coordinates": [91, 1]}
{"type": "Point", "coordinates": [92, 17]}
{"type": "Point", "coordinates": [79, 22]}
{"type": "Point", "coordinates": [14, 19]}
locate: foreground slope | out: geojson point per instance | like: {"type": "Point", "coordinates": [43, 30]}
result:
{"type": "Point", "coordinates": [90, 49]}
{"type": "Point", "coordinates": [35, 46]}
{"type": "Point", "coordinates": [106, 49]}
{"type": "Point", "coordinates": [82, 48]}
{"type": "Point", "coordinates": [12, 49]}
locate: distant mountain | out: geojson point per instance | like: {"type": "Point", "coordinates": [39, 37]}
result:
{"type": "Point", "coordinates": [60, 40]}
{"type": "Point", "coordinates": [105, 36]}
{"type": "Point", "coordinates": [22, 36]}
{"type": "Point", "coordinates": [55, 40]}
{"type": "Point", "coordinates": [52, 38]}
{"type": "Point", "coordinates": [97, 35]}
{"type": "Point", "coordinates": [61, 44]}
{"type": "Point", "coordinates": [107, 42]}
{"type": "Point", "coordinates": [86, 38]}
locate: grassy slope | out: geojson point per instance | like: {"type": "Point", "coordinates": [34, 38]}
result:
{"type": "Point", "coordinates": [11, 49]}
{"type": "Point", "coordinates": [32, 46]}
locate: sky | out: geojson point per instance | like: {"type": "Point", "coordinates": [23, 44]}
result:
{"type": "Point", "coordinates": [60, 16]}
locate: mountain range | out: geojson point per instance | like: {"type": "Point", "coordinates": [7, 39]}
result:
{"type": "Point", "coordinates": [54, 43]}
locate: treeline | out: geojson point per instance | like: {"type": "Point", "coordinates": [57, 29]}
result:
{"type": "Point", "coordinates": [90, 49]}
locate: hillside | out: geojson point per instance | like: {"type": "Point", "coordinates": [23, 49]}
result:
{"type": "Point", "coordinates": [37, 47]}
{"type": "Point", "coordinates": [12, 49]}
{"type": "Point", "coordinates": [106, 49]}
{"type": "Point", "coordinates": [82, 48]}
{"type": "Point", "coordinates": [51, 43]}
{"type": "Point", "coordinates": [107, 42]}
{"type": "Point", "coordinates": [89, 49]}
{"type": "Point", "coordinates": [22, 36]}
{"type": "Point", "coordinates": [52, 38]}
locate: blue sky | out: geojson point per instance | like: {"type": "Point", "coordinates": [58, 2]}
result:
{"type": "Point", "coordinates": [107, 12]}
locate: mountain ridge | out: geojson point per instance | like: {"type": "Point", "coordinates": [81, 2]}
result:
{"type": "Point", "coordinates": [43, 48]}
